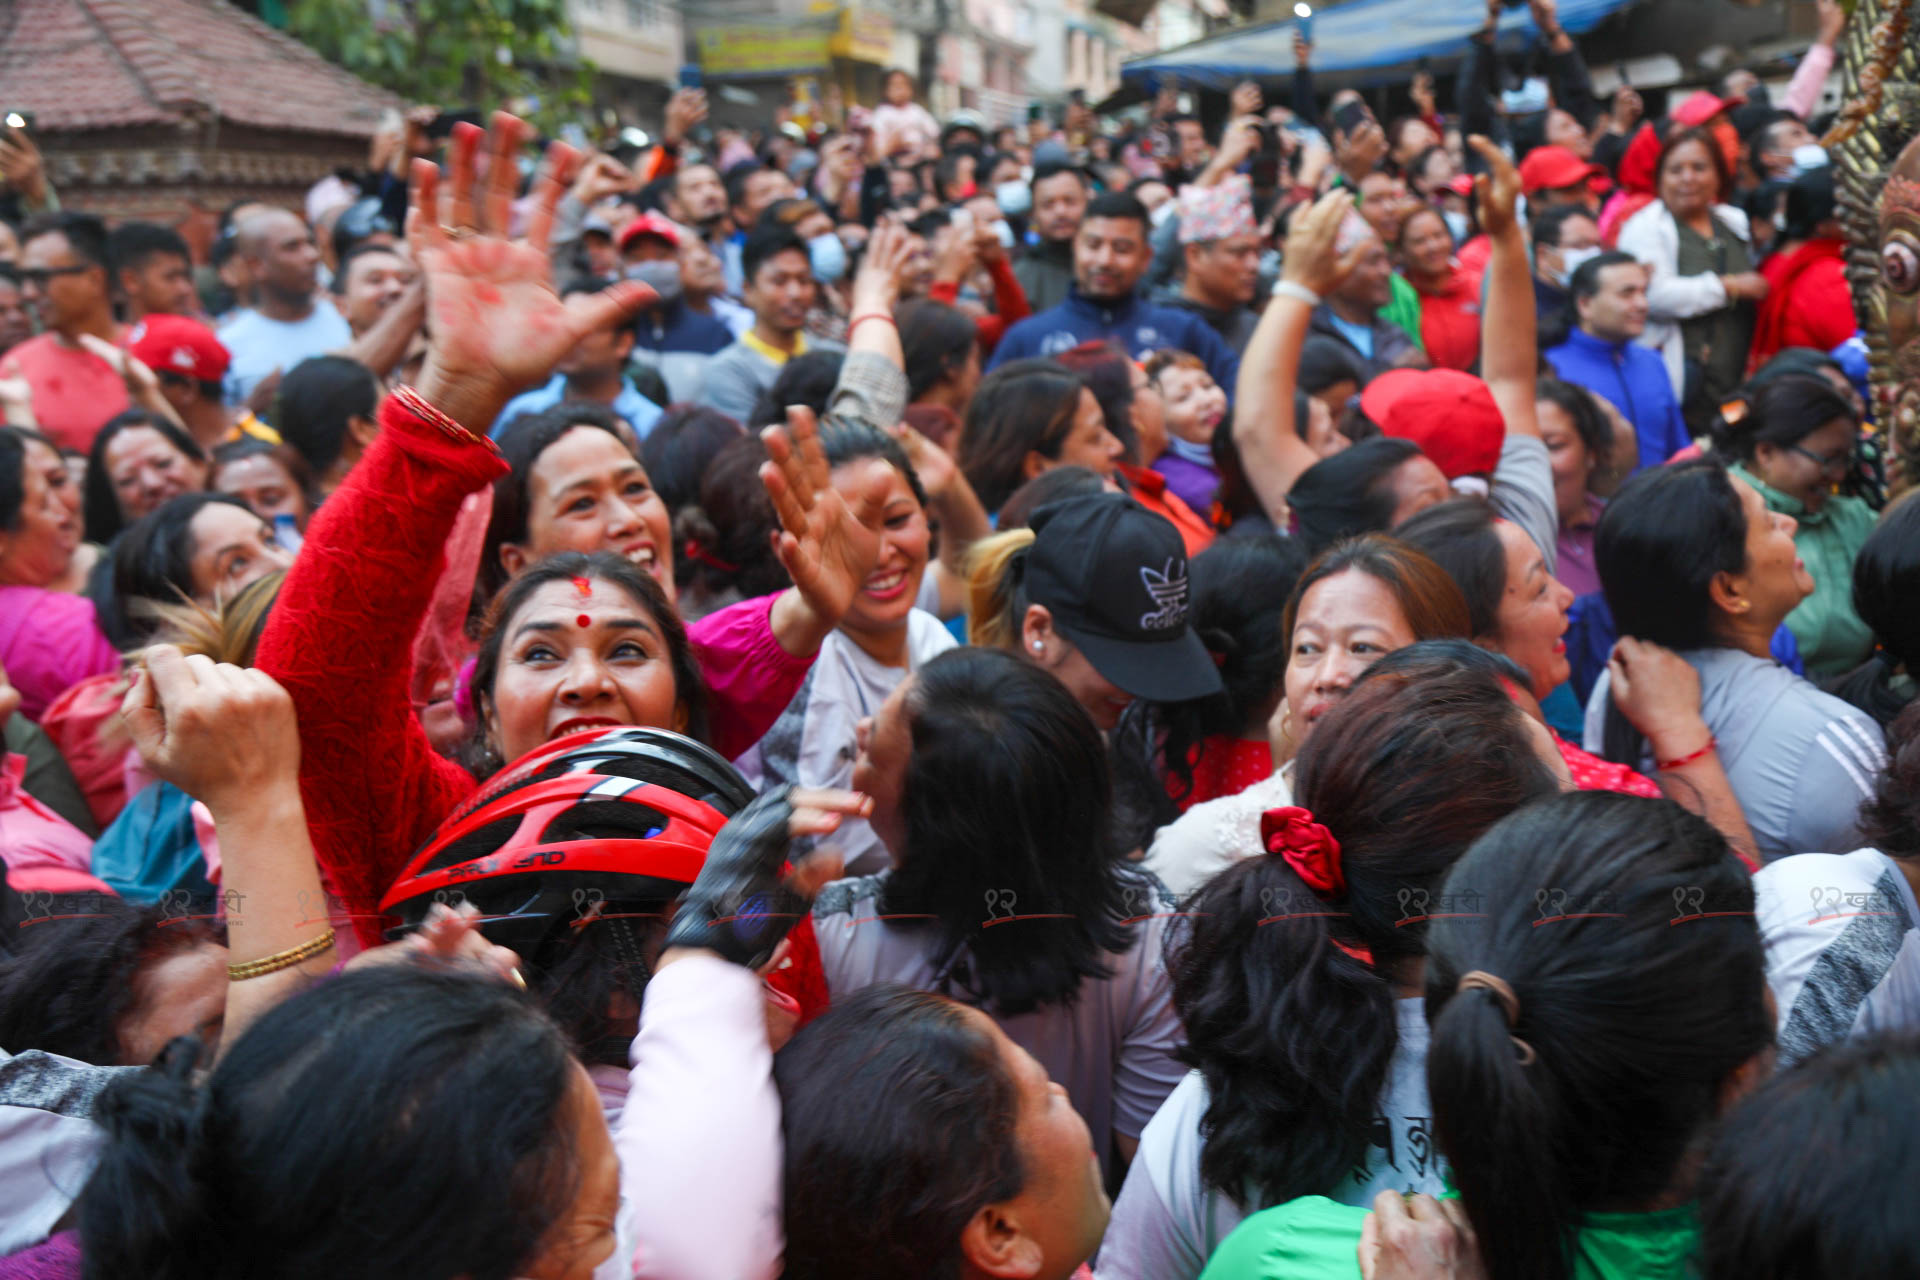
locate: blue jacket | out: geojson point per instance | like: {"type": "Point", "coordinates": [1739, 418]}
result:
{"type": "Point", "coordinates": [1634, 378]}
{"type": "Point", "coordinates": [1136, 324]}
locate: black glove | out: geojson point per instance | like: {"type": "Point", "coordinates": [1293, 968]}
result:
{"type": "Point", "coordinates": [738, 906]}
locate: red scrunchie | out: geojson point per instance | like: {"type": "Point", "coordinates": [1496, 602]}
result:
{"type": "Point", "coordinates": [1306, 846]}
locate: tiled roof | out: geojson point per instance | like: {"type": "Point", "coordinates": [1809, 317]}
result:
{"type": "Point", "coordinates": [104, 64]}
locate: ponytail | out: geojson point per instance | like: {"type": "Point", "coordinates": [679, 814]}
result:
{"type": "Point", "coordinates": [996, 590]}
{"type": "Point", "coordinates": [1583, 1026]}
{"type": "Point", "coordinates": [1285, 980]}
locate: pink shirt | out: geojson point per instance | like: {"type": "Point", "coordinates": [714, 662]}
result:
{"type": "Point", "coordinates": [74, 391]}
{"type": "Point", "coordinates": [33, 837]}
{"type": "Point", "coordinates": [50, 641]}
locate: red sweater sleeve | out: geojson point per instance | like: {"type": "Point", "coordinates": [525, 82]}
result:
{"type": "Point", "coordinates": [340, 640]}
{"type": "Point", "coordinates": [1009, 304]}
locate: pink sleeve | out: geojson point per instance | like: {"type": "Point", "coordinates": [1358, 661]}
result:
{"type": "Point", "coordinates": [1803, 91]}
{"type": "Point", "coordinates": [750, 678]}
{"type": "Point", "coordinates": [699, 1135]}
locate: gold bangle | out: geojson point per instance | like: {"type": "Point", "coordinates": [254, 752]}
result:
{"type": "Point", "coordinates": [280, 959]}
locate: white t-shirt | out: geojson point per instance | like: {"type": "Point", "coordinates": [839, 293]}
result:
{"type": "Point", "coordinates": [259, 345]}
{"type": "Point", "coordinates": [1842, 933]}
{"type": "Point", "coordinates": [1215, 834]}
{"type": "Point", "coordinates": [1167, 1222]}
{"type": "Point", "coordinates": [813, 743]}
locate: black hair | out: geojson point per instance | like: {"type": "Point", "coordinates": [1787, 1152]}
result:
{"type": "Point", "coordinates": [1781, 411]}
{"type": "Point", "coordinates": [1054, 168]}
{"type": "Point", "coordinates": [768, 242]}
{"type": "Point", "coordinates": [805, 379]}
{"type": "Point", "coordinates": [1803, 1180]}
{"type": "Point", "coordinates": [131, 244]}
{"type": "Point", "coordinates": [153, 562]}
{"type": "Point", "coordinates": [353, 255]}
{"type": "Point", "coordinates": [317, 399]}
{"type": "Point", "coordinates": [1704, 137]}
{"type": "Point", "coordinates": [679, 448]}
{"type": "Point", "coordinates": [343, 1087]}
{"type": "Point", "coordinates": [1055, 484]}
{"type": "Point", "coordinates": [936, 340]}
{"type": "Point", "coordinates": [900, 1124]}
{"type": "Point", "coordinates": [1810, 202]}
{"type": "Point", "coordinates": [99, 503]}
{"type": "Point", "coordinates": [1585, 281]}
{"type": "Point", "coordinates": [86, 234]}
{"type": "Point", "coordinates": [1789, 360]}
{"type": "Point", "coordinates": [1418, 169]}
{"type": "Point", "coordinates": [1107, 371]}
{"type": "Point", "coordinates": [1024, 406]}
{"type": "Point", "coordinates": [1660, 543]}
{"type": "Point", "coordinates": [735, 180]}
{"type": "Point", "coordinates": [1589, 420]}
{"type": "Point", "coordinates": [13, 476]}
{"type": "Point", "coordinates": [1886, 583]}
{"type": "Point", "coordinates": [1549, 222]}
{"type": "Point", "coordinates": [75, 981]}
{"type": "Point", "coordinates": [1624, 928]}
{"type": "Point", "coordinates": [243, 447]}
{"type": "Point", "coordinates": [521, 443]}
{"type": "Point", "coordinates": [1118, 204]}
{"type": "Point", "coordinates": [722, 542]}
{"type": "Point", "coordinates": [1459, 536]}
{"type": "Point", "coordinates": [1326, 361]}
{"type": "Point", "coordinates": [988, 723]}
{"type": "Point", "coordinates": [1288, 995]}
{"type": "Point", "coordinates": [1237, 591]}
{"type": "Point", "coordinates": [844, 442]}
{"type": "Point", "coordinates": [601, 566]}
{"type": "Point", "coordinates": [1348, 493]}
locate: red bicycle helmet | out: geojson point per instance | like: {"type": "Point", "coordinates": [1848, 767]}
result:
{"type": "Point", "coordinates": [606, 824]}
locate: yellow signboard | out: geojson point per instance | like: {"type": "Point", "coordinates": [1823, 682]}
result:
{"type": "Point", "coordinates": [864, 36]}
{"type": "Point", "coordinates": [763, 48]}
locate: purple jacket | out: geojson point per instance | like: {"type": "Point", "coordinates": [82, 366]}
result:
{"type": "Point", "coordinates": [1194, 483]}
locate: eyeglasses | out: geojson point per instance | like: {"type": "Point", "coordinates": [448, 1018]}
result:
{"type": "Point", "coordinates": [1834, 463]}
{"type": "Point", "coordinates": [38, 276]}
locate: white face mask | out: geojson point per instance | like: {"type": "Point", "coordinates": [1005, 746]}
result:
{"type": "Point", "coordinates": [1571, 261]}
{"type": "Point", "coordinates": [1808, 156]}
{"type": "Point", "coordinates": [1457, 225]}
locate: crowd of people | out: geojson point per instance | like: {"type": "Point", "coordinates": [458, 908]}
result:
{"type": "Point", "coordinates": [1296, 695]}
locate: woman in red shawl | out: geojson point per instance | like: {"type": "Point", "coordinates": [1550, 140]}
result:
{"type": "Point", "coordinates": [1808, 304]}
{"type": "Point", "coordinates": [1636, 185]}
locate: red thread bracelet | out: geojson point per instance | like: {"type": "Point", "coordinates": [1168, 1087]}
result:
{"type": "Point", "coordinates": [856, 322]}
{"type": "Point", "coordinates": [1661, 766]}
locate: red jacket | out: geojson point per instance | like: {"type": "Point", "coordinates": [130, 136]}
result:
{"type": "Point", "coordinates": [1009, 303]}
{"type": "Point", "coordinates": [1450, 321]}
{"type": "Point", "coordinates": [1808, 303]}
{"type": "Point", "coordinates": [340, 639]}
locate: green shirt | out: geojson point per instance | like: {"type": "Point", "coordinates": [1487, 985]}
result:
{"type": "Point", "coordinates": [1404, 310]}
{"type": "Point", "coordinates": [1831, 637]}
{"type": "Point", "coordinates": [1314, 1238]}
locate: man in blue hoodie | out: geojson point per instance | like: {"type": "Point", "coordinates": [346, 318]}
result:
{"type": "Point", "coordinates": [1601, 354]}
{"type": "Point", "coordinates": [1110, 256]}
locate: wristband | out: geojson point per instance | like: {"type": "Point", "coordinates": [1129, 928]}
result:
{"type": "Point", "coordinates": [1297, 291]}
{"type": "Point", "coordinates": [856, 322]}
{"type": "Point", "coordinates": [1662, 766]}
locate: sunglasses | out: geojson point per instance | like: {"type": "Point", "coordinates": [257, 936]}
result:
{"type": "Point", "coordinates": [1834, 463]}
{"type": "Point", "coordinates": [39, 276]}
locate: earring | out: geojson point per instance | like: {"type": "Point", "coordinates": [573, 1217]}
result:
{"type": "Point", "coordinates": [1038, 647]}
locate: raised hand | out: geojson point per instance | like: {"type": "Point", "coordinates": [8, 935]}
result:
{"type": "Point", "coordinates": [1311, 257]}
{"type": "Point", "coordinates": [1498, 190]}
{"type": "Point", "coordinates": [685, 109]}
{"type": "Point", "coordinates": [827, 547]}
{"type": "Point", "coordinates": [223, 734]}
{"type": "Point", "coordinates": [1245, 99]}
{"type": "Point", "coordinates": [497, 324]}
{"type": "Point", "coordinates": [1418, 1239]}
{"type": "Point", "coordinates": [889, 257]}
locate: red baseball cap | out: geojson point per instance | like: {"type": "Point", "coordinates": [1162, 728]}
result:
{"type": "Point", "coordinates": [650, 224]}
{"type": "Point", "coordinates": [1449, 414]}
{"type": "Point", "coordinates": [1549, 168]}
{"type": "Point", "coordinates": [179, 344]}
{"type": "Point", "coordinates": [1704, 106]}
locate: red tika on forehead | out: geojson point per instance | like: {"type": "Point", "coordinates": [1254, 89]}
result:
{"type": "Point", "coordinates": [584, 621]}
{"type": "Point", "coordinates": [584, 586]}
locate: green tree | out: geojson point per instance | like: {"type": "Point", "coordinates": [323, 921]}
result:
{"type": "Point", "coordinates": [481, 53]}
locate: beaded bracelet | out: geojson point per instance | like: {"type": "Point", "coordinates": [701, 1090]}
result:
{"type": "Point", "coordinates": [280, 959]}
{"type": "Point", "coordinates": [1663, 765]}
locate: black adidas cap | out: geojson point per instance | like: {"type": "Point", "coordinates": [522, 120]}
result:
{"type": "Point", "coordinates": [1114, 577]}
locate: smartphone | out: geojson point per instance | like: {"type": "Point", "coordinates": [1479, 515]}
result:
{"type": "Point", "coordinates": [690, 77]}
{"type": "Point", "coordinates": [1620, 69]}
{"type": "Point", "coordinates": [1303, 21]}
{"type": "Point", "coordinates": [1351, 115]}
{"type": "Point", "coordinates": [17, 119]}
{"type": "Point", "coordinates": [1353, 229]}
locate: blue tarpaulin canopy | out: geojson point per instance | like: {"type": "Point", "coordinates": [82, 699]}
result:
{"type": "Point", "coordinates": [1359, 36]}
